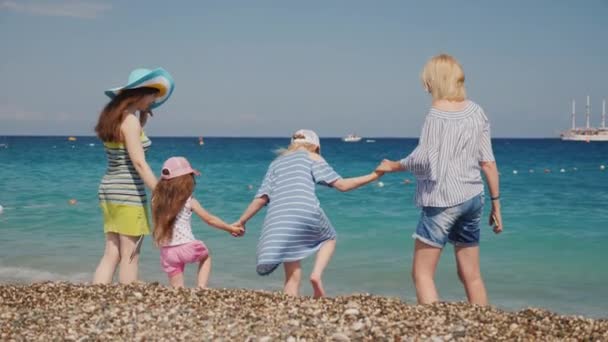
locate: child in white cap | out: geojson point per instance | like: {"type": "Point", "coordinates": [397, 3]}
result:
{"type": "Point", "coordinates": [172, 207]}
{"type": "Point", "coordinates": [295, 225]}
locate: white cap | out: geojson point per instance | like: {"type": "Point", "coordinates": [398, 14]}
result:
{"type": "Point", "coordinates": [308, 137]}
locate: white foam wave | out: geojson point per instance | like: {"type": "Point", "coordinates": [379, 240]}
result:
{"type": "Point", "coordinates": [9, 274]}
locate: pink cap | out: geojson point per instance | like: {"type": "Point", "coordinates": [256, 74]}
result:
{"type": "Point", "coordinates": [177, 166]}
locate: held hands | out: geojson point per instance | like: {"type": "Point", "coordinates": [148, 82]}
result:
{"type": "Point", "coordinates": [386, 166]}
{"type": "Point", "coordinates": [238, 229]}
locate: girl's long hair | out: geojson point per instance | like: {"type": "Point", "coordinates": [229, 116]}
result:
{"type": "Point", "coordinates": [168, 199]}
{"type": "Point", "coordinates": [114, 113]}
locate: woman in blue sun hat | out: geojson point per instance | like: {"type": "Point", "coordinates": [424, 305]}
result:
{"type": "Point", "coordinates": [122, 193]}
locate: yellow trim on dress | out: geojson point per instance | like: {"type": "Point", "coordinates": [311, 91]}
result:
{"type": "Point", "coordinates": [112, 144]}
{"type": "Point", "coordinates": [125, 219]}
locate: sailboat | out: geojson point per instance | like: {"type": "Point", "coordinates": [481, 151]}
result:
{"type": "Point", "coordinates": [588, 133]}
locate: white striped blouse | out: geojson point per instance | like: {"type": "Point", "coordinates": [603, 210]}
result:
{"type": "Point", "coordinates": [446, 160]}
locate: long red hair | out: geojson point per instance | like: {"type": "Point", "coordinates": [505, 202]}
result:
{"type": "Point", "coordinates": [168, 199]}
{"type": "Point", "coordinates": [114, 113]}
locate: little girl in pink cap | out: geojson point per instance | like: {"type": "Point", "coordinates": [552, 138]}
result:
{"type": "Point", "coordinates": [172, 207]}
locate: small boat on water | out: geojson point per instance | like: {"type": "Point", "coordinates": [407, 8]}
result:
{"type": "Point", "coordinates": [200, 141]}
{"type": "Point", "coordinates": [71, 138]}
{"type": "Point", "coordinates": [352, 138]}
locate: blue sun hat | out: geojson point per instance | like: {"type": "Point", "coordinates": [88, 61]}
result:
{"type": "Point", "coordinates": [158, 78]}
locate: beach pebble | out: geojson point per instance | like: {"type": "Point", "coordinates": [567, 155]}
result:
{"type": "Point", "coordinates": [357, 326]}
{"type": "Point", "coordinates": [340, 337]}
{"type": "Point", "coordinates": [351, 312]}
{"type": "Point", "coordinates": [459, 331]}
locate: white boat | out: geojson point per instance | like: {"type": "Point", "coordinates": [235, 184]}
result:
{"type": "Point", "coordinates": [352, 138]}
{"type": "Point", "coordinates": [588, 133]}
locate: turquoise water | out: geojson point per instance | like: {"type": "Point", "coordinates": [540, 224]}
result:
{"type": "Point", "coordinates": [552, 254]}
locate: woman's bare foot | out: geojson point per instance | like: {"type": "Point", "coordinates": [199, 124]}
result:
{"type": "Point", "coordinates": [317, 286]}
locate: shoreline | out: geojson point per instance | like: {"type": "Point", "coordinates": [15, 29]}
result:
{"type": "Point", "coordinates": [61, 310]}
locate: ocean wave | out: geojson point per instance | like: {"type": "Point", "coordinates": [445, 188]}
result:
{"type": "Point", "coordinates": [10, 274]}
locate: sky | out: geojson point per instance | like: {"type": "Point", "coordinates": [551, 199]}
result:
{"type": "Point", "coordinates": [267, 68]}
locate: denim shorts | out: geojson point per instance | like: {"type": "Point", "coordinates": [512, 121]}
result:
{"type": "Point", "coordinates": [458, 225]}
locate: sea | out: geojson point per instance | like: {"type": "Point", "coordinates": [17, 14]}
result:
{"type": "Point", "coordinates": [553, 253]}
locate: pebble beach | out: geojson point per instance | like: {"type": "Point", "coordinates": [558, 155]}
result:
{"type": "Point", "coordinates": [150, 311]}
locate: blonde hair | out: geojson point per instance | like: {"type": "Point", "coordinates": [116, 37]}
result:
{"type": "Point", "coordinates": [443, 77]}
{"type": "Point", "coordinates": [296, 145]}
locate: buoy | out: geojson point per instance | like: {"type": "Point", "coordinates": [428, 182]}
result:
{"type": "Point", "coordinates": [602, 167]}
{"type": "Point", "coordinates": [562, 170]}
{"type": "Point", "coordinates": [531, 171]}
{"type": "Point", "coordinates": [72, 202]}
{"type": "Point", "coordinates": [515, 172]}
{"type": "Point", "coordinates": [1, 210]}
{"type": "Point", "coordinates": [406, 181]}
{"type": "Point", "coordinates": [91, 144]}
{"type": "Point", "coordinates": [250, 187]}
{"type": "Point", "coordinates": [574, 169]}
{"type": "Point", "coordinates": [547, 171]}
{"type": "Point", "coordinates": [380, 184]}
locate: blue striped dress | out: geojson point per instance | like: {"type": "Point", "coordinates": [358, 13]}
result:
{"type": "Point", "coordinates": [295, 225]}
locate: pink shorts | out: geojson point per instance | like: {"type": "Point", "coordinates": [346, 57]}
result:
{"type": "Point", "coordinates": [174, 258]}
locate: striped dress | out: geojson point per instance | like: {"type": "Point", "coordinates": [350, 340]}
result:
{"type": "Point", "coordinates": [446, 160]}
{"type": "Point", "coordinates": [295, 225]}
{"type": "Point", "coordinates": [122, 193]}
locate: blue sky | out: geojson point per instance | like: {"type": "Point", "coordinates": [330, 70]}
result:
{"type": "Point", "coordinates": [265, 68]}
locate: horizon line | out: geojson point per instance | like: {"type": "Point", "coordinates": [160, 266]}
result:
{"type": "Point", "coordinates": [250, 137]}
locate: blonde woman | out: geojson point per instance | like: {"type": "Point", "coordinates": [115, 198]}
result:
{"type": "Point", "coordinates": [453, 150]}
{"type": "Point", "coordinates": [295, 226]}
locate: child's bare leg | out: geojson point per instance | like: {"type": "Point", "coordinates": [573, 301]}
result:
{"type": "Point", "coordinates": [293, 274]}
{"type": "Point", "coordinates": [110, 259]}
{"type": "Point", "coordinates": [423, 272]}
{"type": "Point", "coordinates": [323, 257]}
{"type": "Point", "coordinates": [177, 280]}
{"type": "Point", "coordinates": [467, 260]}
{"type": "Point", "coordinates": [204, 269]}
